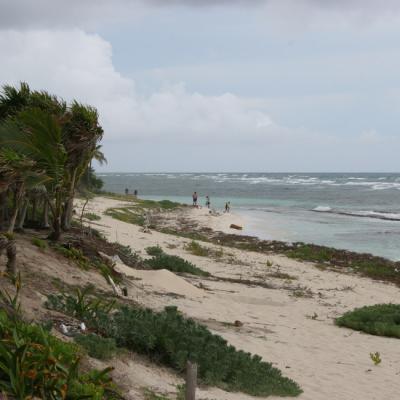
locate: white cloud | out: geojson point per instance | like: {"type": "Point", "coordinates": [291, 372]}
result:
{"type": "Point", "coordinates": [74, 64]}
{"type": "Point", "coordinates": [173, 128]}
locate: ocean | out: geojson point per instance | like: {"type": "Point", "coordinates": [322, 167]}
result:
{"type": "Point", "coordinates": [359, 212]}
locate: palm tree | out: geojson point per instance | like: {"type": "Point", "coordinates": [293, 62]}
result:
{"type": "Point", "coordinates": [81, 134]}
{"type": "Point", "coordinates": [38, 136]}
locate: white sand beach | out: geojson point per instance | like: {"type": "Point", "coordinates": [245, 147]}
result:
{"type": "Point", "coordinates": [290, 324]}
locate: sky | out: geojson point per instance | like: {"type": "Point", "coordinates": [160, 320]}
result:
{"type": "Point", "coordinates": [220, 85]}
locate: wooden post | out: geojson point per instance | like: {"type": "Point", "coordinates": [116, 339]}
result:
{"type": "Point", "coordinates": [191, 381]}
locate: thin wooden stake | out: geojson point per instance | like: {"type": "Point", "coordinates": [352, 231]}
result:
{"type": "Point", "coordinates": [191, 381]}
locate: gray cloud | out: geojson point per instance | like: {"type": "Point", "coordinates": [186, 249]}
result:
{"type": "Point", "coordinates": [90, 14]}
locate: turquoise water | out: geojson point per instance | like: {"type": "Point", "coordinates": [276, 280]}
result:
{"type": "Point", "coordinates": [359, 212]}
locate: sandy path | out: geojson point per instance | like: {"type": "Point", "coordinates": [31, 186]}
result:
{"type": "Point", "coordinates": [328, 362]}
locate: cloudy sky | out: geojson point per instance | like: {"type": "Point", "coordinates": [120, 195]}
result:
{"type": "Point", "coordinates": [220, 85]}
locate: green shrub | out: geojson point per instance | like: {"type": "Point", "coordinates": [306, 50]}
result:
{"type": "Point", "coordinates": [97, 346]}
{"type": "Point", "coordinates": [171, 339]}
{"type": "Point", "coordinates": [174, 264]}
{"type": "Point", "coordinates": [154, 250]}
{"type": "Point", "coordinates": [91, 216]}
{"type": "Point", "coordinates": [33, 363]}
{"type": "Point", "coordinates": [75, 255]}
{"type": "Point", "coordinates": [41, 244]}
{"type": "Point", "coordinates": [380, 320]}
{"type": "Point", "coordinates": [81, 304]}
{"type": "Point", "coordinates": [196, 249]}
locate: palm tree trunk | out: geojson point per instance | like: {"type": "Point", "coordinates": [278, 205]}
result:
{"type": "Point", "coordinates": [22, 215]}
{"type": "Point", "coordinates": [56, 211]}
{"type": "Point", "coordinates": [18, 196]}
{"type": "Point", "coordinates": [11, 257]}
{"type": "Point", "coordinates": [46, 214]}
{"type": "Point", "coordinates": [3, 210]}
{"type": "Point", "coordinates": [34, 207]}
{"type": "Point", "coordinates": [69, 205]}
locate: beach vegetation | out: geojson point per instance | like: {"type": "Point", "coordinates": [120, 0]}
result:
{"type": "Point", "coordinates": [154, 251]}
{"type": "Point", "coordinates": [161, 260]}
{"type": "Point", "coordinates": [169, 338]}
{"type": "Point", "coordinates": [36, 364]}
{"type": "Point", "coordinates": [91, 216]}
{"type": "Point", "coordinates": [375, 357]}
{"type": "Point", "coordinates": [197, 249]}
{"type": "Point", "coordinates": [97, 346]}
{"type": "Point", "coordinates": [379, 319]}
{"type": "Point", "coordinates": [80, 304]}
{"type": "Point", "coordinates": [126, 214]}
{"type": "Point", "coordinates": [40, 243]}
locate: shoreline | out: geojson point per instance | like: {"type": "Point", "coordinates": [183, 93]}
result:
{"type": "Point", "coordinates": [286, 306]}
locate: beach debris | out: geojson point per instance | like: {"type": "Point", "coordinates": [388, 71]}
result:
{"type": "Point", "coordinates": [234, 226]}
{"type": "Point", "coordinates": [238, 323]}
{"type": "Point", "coordinates": [64, 329]}
{"type": "Point", "coordinates": [82, 326]}
{"type": "Point", "coordinates": [116, 289]}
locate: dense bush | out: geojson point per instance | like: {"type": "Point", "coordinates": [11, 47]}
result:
{"type": "Point", "coordinates": [35, 364]}
{"type": "Point", "coordinates": [380, 320]}
{"type": "Point", "coordinates": [171, 339]}
{"type": "Point", "coordinates": [97, 346]}
{"type": "Point", "coordinates": [174, 264]}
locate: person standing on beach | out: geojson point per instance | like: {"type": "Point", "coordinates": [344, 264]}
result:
{"type": "Point", "coordinates": [126, 191]}
{"type": "Point", "coordinates": [194, 197]}
{"type": "Point", "coordinates": [227, 206]}
{"type": "Point", "coordinates": [208, 203]}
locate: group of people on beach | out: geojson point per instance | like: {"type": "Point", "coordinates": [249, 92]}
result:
{"type": "Point", "coordinates": [208, 202]}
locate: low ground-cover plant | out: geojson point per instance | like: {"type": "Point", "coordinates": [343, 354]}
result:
{"type": "Point", "coordinates": [91, 216]}
{"type": "Point", "coordinates": [173, 263]}
{"type": "Point", "coordinates": [41, 244]}
{"type": "Point", "coordinates": [73, 254]}
{"type": "Point", "coordinates": [127, 214]}
{"type": "Point", "coordinates": [154, 251]}
{"type": "Point", "coordinates": [197, 249]}
{"type": "Point", "coordinates": [380, 320]}
{"type": "Point", "coordinates": [171, 339]}
{"type": "Point", "coordinates": [97, 346]}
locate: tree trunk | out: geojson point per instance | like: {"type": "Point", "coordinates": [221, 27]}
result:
{"type": "Point", "coordinates": [46, 214]}
{"type": "Point", "coordinates": [3, 243]}
{"type": "Point", "coordinates": [13, 219]}
{"type": "Point", "coordinates": [34, 207]}
{"type": "Point", "coordinates": [3, 210]}
{"type": "Point", "coordinates": [69, 205]}
{"type": "Point", "coordinates": [22, 215]}
{"type": "Point", "coordinates": [55, 235]}
{"type": "Point", "coordinates": [11, 257]}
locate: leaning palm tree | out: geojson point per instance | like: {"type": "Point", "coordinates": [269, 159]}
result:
{"type": "Point", "coordinates": [81, 134]}
{"type": "Point", "coordinates": [37, 135]}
